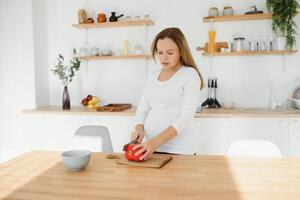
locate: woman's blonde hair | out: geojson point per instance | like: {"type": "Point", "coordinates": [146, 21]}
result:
{"type": "Point", "coordinates": [178, 37]}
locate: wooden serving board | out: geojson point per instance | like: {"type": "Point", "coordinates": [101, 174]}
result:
{"type": "Point", "coordinates": [154, 161]}
{"type": "Point", "coordinates": [115, 107]}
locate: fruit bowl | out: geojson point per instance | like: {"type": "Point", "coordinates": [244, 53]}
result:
{"type": "Point", "coordinates": [91, 102]}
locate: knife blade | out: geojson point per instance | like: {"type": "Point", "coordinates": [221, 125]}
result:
{"type": "Point", "coordinates": [132, 142]}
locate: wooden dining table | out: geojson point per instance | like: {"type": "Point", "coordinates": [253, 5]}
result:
{"type": "Point", "coordinates": [41, 175]}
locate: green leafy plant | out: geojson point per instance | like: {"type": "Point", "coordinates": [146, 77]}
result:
{"type": "Point", "coordinates": [282, 19]}
{"type": "Point", "coordinates": [65, 72]}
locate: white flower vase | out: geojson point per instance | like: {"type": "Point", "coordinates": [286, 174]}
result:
{"type": "Point", "coordinates": [281, 43]}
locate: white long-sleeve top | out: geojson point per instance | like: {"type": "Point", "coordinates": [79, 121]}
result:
{"type": "Point", "coordinates": [171, 103]}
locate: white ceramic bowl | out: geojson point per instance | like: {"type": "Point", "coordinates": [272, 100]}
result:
{"type": "Point", "coordinates": [76, 160]}
{"type": "Point", "coordinates": [228, 105]}
{"type": "Point", "coordinates": [106, 52]}
{"type": "Point", "coordinates": [295, 103]}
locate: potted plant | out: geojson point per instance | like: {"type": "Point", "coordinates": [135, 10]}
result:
{"type": "Point", "coordinates": [66, 73]}
{"type": "Point", "coordinates": [283, 12]}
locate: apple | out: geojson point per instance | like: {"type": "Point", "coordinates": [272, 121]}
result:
{"type": "Point", "coordinates": [89, 97]}
{"type": "Point", "coordinates": [84, 102]}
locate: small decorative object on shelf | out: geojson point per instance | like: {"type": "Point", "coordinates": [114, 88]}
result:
{"type": "Point", "coordinates": [227, 10]}
{"type": "Point", "coordinates": [138, 49]}
{"type": "Point", "coordinates": [114, 18]}
{"type": "Point", "coordinates": [212, 41]}
{"type": "Point", "coordinates": [101, 17]}
{"type": "Point", "coordinates": [283, 23]}
{"type": "Point", "coordinates": [126, 48]}
{"type": "Point", "coordinates": [254, 11]}
{"type": "Point", "coordinates": [82, 16]}
{"type": "Point", "coordinates": [66, 73]}
{"type": "Point", "coordinates": [90, 20]}
{"type": "Point", "coordinates": [213, 12]}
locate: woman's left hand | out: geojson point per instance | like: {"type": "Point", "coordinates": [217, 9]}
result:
{"type": "Point", "coordinates": [148, 148]}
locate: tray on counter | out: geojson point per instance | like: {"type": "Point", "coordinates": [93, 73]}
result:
{"type": "Point", "coordinates": [114, 107]}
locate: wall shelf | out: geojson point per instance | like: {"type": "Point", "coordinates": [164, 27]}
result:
{"type": "Point", "coordinates": [238, 17]}
{"type": "Point", "coordinates": [144, 22]}
{"type": "Point", "coordinates": [248, 53]}
{"type": "Point", "coordinates": [243, 17]}
{"type": "Point", "coordinates": [90, 58]}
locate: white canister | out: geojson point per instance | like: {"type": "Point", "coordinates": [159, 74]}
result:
{"type": "Point", "coordinates": [83, 51]}
{"type": "Point", "coordinates": [227, 10]}
{"type": "Point", "coordinates": [281, 43]}
{"type": "Point", "coordinates": [238, 44]}
{"type": "Point", "coordinates": [213, 12]}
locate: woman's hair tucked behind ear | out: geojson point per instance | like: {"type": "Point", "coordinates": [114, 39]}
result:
{"type": "Point", "coordinates": [178, 37]}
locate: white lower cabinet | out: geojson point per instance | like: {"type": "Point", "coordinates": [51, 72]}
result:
{"type": "Point", "coordinates": [49, 132]}
{"type": "Point", "coordinates": [212, 135]}
{"type": "Point", "coordinates": [55, 132]}
{"type": "Point", "coordinates": [294, 136]}
{"type": "Point", "coordinates": [275, 130]}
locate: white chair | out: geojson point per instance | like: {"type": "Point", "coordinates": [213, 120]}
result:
{"type": "Point", "coordinates": [93, 138]}
{"type": "Point", "coordinates": [254, 148]}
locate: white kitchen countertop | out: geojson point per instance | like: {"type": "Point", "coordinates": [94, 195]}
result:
{"type": "Point", "coordinates": [236, 112]}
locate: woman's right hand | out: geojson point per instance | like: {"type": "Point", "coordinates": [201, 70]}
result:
{"type": "Point", "coordinates": [138, 134]}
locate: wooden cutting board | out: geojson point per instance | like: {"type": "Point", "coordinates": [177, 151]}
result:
{"type": "Point", "coordinates": [154, 161]}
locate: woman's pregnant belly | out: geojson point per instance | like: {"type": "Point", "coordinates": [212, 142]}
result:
{"type": "Point", "coordinates": [158, 120]}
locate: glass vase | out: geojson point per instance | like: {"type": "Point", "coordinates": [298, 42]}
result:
{"type": "Point", "coordinates": [66, 99]}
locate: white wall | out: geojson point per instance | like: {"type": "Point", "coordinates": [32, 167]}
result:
{"type": "Point", "coordinates": [241, 79]}
{"type": "Point", "coordinates": [40, 41]}
{"type": "Point", "coordinates": [16, 73]}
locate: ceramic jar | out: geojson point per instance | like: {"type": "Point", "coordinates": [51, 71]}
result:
{"type": "Point", "coordinates": [101, 17]}
{"type": "Point", "coordinates": [213, 11]}
{"type": "Point", "coordinates": [227, 10]}
{"type": "Point", "coordinates": [82, 16]}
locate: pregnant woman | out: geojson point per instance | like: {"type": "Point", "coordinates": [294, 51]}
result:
{"type": "Point", "coordinates": [169, 100]}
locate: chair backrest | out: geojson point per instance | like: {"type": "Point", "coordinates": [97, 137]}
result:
{"type": "Point", "coordinates": [93, 138]}
{"type": "Point", "coordinates": [254, 148]}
